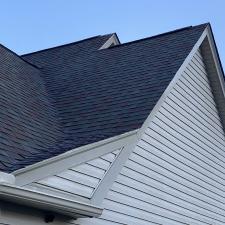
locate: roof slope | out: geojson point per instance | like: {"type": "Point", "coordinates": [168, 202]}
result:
{"type": "Point", "coordinates": [102, 93]}
{"type": "Point", "coordinates": [28, 121]}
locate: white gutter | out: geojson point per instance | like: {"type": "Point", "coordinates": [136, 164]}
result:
{"type": "Point", "coordinates": [49, 203]}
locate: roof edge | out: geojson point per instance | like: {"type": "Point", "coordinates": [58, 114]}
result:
{"type": "Point", "coordinates": [159, 35]}
{"type": "Point", "coordinates": [215, 73]}
{"type": "Point", "coordinates": [20, 57]}
{"type": "Point", "coordinates": [63, 45]}
{"type": "Point", "coordinates": [48, 203]}
{"type": "Point", "coordinates": [173, 81]}
{"type": "Point", "coordinates": [216, 49]}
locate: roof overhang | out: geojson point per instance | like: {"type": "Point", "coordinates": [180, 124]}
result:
{"type": "Point", "coordinates": [215, 72]}
{"type": "Point", "coordinates": [48, 203]}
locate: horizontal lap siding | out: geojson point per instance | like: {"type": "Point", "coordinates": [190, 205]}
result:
{"type": "Point", "coordinates": [80, 180]}
{"type": "Point", "coordinates": [176, 173]}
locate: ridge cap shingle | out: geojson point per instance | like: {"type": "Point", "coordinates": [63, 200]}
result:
{"type": "Point", "coordinates": [158, 35]}
{"type": "Point", "coordinates": [67, 44]}
{"type": "Point", "coordinates": [19, 57]}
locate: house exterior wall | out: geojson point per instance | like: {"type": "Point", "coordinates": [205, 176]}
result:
{"type": "Point", "coordinates": [176, 173]}
{"type": "Point", "coordinates": [79, 181]}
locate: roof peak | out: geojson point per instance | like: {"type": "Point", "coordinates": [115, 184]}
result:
{"type": "Point", "coordinates": [110, 34]}
{"type": "Point", "coordinates": [160, 35]}
{"type": "Point", "coordinates": [67, 44]}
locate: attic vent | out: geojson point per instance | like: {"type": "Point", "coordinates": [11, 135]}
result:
{"type": "Point", "coordinates": [113, 40]}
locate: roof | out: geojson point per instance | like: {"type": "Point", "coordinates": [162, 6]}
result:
{"type": "Point", "coordinates": [28, 121]}
{"type": "Point", "coordinates": [83, 95]}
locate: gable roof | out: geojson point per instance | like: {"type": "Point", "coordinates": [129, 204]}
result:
{"type": "Point", "coordinates": [97, 94]}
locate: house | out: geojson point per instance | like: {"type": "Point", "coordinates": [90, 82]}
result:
{"type": "Point", "coordinates": [104, 133]}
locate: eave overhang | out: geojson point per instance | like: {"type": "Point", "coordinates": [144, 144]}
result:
{"type": "Point", "coordinates": [48, 203]}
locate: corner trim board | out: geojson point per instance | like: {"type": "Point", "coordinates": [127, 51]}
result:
{"type": "Point", "coordinates": [101, 191]}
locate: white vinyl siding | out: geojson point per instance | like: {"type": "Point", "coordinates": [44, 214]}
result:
{"type": "Point", "coordinates": [80, 180]}
{"type": "Point", "coordinates": [176, 173]}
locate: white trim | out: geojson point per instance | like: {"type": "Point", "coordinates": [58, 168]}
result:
{"type": "Point", "coordinates": [48, 203]}
{"type": "Point", "coordinates": [71, 158]}
{"type": "Point", "coordinates": [101, 191]}
{"type": "Point", "coordinates": [7, 178]}
{"type": "Point", "coordinates": [106, 174]}
{"type": "Point", "coordinates": [216, 60]}
{"type": "Point", "coordinates": [172, 83]}
{"type": "Point", "coordinates": [215, 73]}
{"type": "Point", "coordinates": [112, 40]}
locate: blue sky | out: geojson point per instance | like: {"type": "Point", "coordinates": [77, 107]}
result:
{"type": "Point", "coordinates": [29, 25]}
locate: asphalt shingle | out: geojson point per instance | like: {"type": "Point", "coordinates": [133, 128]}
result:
{"type": "Point", "coordinates": [78, 94]}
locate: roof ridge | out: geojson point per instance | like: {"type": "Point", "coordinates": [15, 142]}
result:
{"type": "Point", "coordinates": [21, 58]}
{"type": "Point", "coordinates": [158, 35]}
{"type": "Point", "coordinates": [63, 45]}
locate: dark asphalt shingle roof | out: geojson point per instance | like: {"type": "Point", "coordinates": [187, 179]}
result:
{"type": "Point", "coordinates": [28, 121]}
{"type": "Point", "coordinates": [79, 94]}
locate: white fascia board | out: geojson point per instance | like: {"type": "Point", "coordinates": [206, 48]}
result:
{"type": "Point", "coordinates": [71, 158]}
{"type": "Point", "coordinates": [215, 73]}
{"type": "Point", "coordinates": [48, 203]}
{"type": "Point", "coordinates": [112, 40]}
{"type": "Point", "coordinates": [172, 83]}
{"type": "Point", "coordinates": [216, 59]}
{"type": "Point", "coordinates": [7, 178]}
